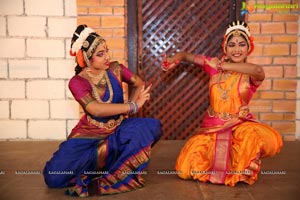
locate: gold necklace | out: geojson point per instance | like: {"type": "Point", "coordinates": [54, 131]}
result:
{"type": "Point", "coordinates": [99, 77]}
{"type": "Point", "coordinates": [95, 90]}
{"type": "Point", "coordinates": [224, 92]}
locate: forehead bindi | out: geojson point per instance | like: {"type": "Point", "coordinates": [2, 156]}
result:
{"type": "Point", "coordinates": [237, 39]}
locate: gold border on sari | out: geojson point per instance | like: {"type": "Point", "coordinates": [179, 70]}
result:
{"type": "Point", "coordinates": [223, 142]}
{"type": "Point", "coordinates": [124, 170]}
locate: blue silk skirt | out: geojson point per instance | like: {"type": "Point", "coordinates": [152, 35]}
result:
{"type": "Point", "coordinates": [127, 151]}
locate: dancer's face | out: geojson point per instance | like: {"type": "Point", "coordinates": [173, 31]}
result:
{"type": "Point", "coordinates": [237, 49]}
{"type": "Point", "coordinates": [100, 59]}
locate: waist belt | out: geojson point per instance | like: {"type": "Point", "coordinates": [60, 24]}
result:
{"type": "Point", "coordinates": [243, 112]}
{"type": "Point", "coordinates": [109, 125]}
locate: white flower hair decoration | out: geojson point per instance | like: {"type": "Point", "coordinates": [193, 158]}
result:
{"type": "Point", "coordinates": [76, 46]}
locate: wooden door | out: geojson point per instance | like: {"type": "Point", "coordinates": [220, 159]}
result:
{"type": "Point", "coordinates": [179, 98]}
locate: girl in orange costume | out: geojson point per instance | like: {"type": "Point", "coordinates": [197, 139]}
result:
{"type": "Point", "coordinates": [230, 144]}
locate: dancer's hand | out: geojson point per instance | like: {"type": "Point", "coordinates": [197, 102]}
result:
{"type": "Point", "coordinates": [143, 96]}
{"type": "Point", "coordinates": [171, 62]}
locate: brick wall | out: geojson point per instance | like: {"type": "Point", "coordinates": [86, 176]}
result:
{"type": "Point", "coordinates": [35, 69]}
{"type": "Point", "coordinates": [276, 34]}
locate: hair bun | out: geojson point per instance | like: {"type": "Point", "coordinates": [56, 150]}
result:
{"type": "Point", "coordinates": [77, 32]}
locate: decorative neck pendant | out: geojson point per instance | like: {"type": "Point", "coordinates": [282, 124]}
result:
{"type": "Point", "coordinates": [103, 81]}
{"type": "Point", "coordinates": [225, 92]}
{"type": "Point", "coordinates": [224, 95]}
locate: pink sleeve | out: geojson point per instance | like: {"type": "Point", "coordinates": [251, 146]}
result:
{"type": "Point", "coordinates": [127, 75]}
{"type": "Point", "coordinates": [79, 87]}
{"type": "Point", "coordinates": [254, 85]}
{"type": "Point", "coordinates": [199, 61]}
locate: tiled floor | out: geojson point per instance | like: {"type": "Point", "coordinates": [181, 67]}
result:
{"type": "Point", "coordinates": [17, 156]}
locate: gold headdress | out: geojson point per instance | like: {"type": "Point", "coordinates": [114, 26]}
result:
{"type": "Point", "coordinates": [84, 40]}
{"type": "Point", "coordinates": [237, 28]}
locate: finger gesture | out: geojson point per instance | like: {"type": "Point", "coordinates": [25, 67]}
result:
{"type": "Point", "coordinates": [144, 96]}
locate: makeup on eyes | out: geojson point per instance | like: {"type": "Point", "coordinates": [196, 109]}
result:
{"type": "Point", "coordinates": [233, 44]}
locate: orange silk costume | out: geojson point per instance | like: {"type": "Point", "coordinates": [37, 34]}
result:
{"type": "Point", "coordinates": [228, 147]}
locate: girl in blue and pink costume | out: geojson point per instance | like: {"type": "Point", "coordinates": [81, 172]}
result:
{"type": "Point", "coordinates": [106, 151]}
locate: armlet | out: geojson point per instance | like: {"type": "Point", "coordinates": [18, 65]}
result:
{"type": "Point", "coordinates": [84, 101]}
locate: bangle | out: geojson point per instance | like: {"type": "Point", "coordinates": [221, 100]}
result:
{"type": "Point", "coordinates": [133, 107]}
{"type": "Point", "coordinates": [136, 107]}
{"type": "Point", "coordinates": [129, 108]}
{"type": "Point", "coordinates": [220, 66]}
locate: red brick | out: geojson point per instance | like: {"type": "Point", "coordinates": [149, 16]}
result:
{"type": "Point", "coordinates": [119, 11]}
{"type": "Point", "coordinates": [100, 11]}
{"type": "Point", "coordinates": [118, 32]}
{"type": "Point", "coordinates": [285, 39]}
{"type": "Point", "coordinates": [290, 95]}
{"type": "Point", "coordinates": [260, 106]}
{"type": "Point", "coordinates": [291, 60]}
{"type": "Point", "coordinates": [257, 50]}
{"type": "Point", "coordinates": [273, 71]}
{"type": "Point", "coordinates": [271, 28]}
{"type": "Point", "coordinates": [259, 60]}
{"type": "Point", "coordinates": [112, 3]}
{"type": "Point", "coordinates": [284, 84]}
{"type": "Point", "coordinates": [254, 27]}
{"type": "Point", "coordinates": [266, 85]}
{"type": "Point", "coordinates": [254, 17]}
{"type": "Point", "coordinates": [88, 3]}
{"type": "Point", "coordinates": [261, 39]}
{"type": "Point", "coordinates": [116, 43]}
{"type": "Point", "coordinates": [290, 72]}
{"type": "Point", "coordinates": [271, 116]}
{"type": "Point", "coordinates": [82, 11]}
{"type": "Point", "coordinates": [294, 49]}
{"type": "Point", "coordinates": [284, 127]}
{"type": "Point", "coordinates": [284, 106]}
{"type": "Point", "coordinates": [106, 33]}
{"type": "Point", "coordinates": [289, 116]}
{"type": "Point", "coordinates": [91, 21]}
{"type": "Point", "coordinates": [119, 54]}
{"type": "Point", "coordinates": [285, 17]}
{"type": "Point", "coordinates": [112, 21]}
{"type": "Point", "coordinates": [292, 27]}
{"type": "Point", "coordinates": [276, 49]}
{"type": "Point", "coordinates": [271, 95]}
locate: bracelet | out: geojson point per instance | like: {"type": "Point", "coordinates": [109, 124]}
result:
{"type": "Point", "coordinates": [129, 108]}
{"type": "Point", "coordinates": [133, 107]}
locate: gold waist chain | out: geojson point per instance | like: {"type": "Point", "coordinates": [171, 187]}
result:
{"type": "Point", "coordinates": [243, 112]}
{"type": "Point", "coordinates": [109, 125]}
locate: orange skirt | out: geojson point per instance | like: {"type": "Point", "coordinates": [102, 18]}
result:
{"type": "Point", "coordinates": [250, 141]}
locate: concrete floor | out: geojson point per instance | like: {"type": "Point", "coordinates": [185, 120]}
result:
{"type": "Point", "coordinates": [17, 156]}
